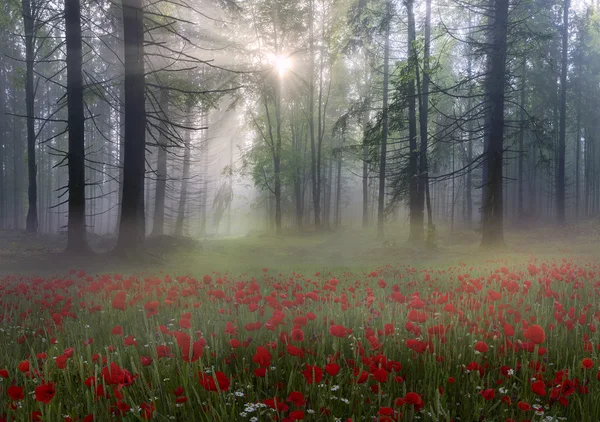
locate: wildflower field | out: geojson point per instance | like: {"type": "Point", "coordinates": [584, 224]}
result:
{"type": "Point", "coordinates": [490, 342]}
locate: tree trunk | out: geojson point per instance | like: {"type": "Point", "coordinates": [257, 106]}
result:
{"type": "Point", "coordinates": [316, 189]}
{"type": "Point", "coordinates": [187, 153]}
{"type": "Point", "coordinates": [28, 24]}
{"type": "Point", "coordinates": [384, 123]}
{"type": "Point", "coordinates": [17, 159]}
{"type": "Point", "coordinates": [132, 224]}
{"type": "Point", "coordinates": [520, 207]}
{"type": "Point", "coordinates": [338, 190]}
{"type": "Point", "coordinates": [492, 221]}
{"type": "Point", "coordinates": [277, 159]}
{"type": "Point", "coordinates": [423, 121]}
{"type": "Point", "coordinates": [3, 160]}
{"type": "Point", "coordinates": [365, 172]}
{"type": "Point", "coordinates": [416, 213]}
{"type": "Point", "coordinates": [161, 166]}
{"type": "Point", "coordinates": [76, 227]}
{"type": "Point", "coordinates": [560, 178]}
{"type": "Point", "coordinates": [469, 181]}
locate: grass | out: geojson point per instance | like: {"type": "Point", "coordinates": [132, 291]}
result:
{"type": "Point", "coordinates": [262, 317]}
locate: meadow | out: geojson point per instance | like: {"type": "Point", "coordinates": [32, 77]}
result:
{"type": "Point", "coordinates": [453, 334]}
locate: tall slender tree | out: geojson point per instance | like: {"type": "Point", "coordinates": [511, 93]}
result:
{"type": "Point", "coordinates": [132, 223]}
{"type": "Point", "coordinates": [493, 216]}
{"type": "Point", "coordinates": [76, 227]}
{"type": "Point", "coordinates": [560, 176]}
{"type": "Point", "coordinates": [384, 124]}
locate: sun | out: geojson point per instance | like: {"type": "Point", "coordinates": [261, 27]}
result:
{"type": "Point", "coordinates": [280, 63]}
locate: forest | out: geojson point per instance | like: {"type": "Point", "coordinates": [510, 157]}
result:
{"type": "Point", "coordinates": [299, 210]}
{"type": "Point", "coordinates": [137, 120]}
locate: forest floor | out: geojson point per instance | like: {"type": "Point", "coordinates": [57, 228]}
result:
{"type": "Point", "coordinates": [346, 250]}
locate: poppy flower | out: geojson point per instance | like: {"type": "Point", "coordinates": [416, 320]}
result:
{"type": "Point", "coordinates": [535, 334]}
{"type": "Point", "coordinates": [262, 356]}
{"type": "Point", "coordinates": [312, 374]}
{"type": "Point", "coordinates": [297, 415]}
{"type": "Point", "coordinates": [524, 406]}
{"type": "Point", "coordinates": [119, 301]}
{"type": "Point", "coordinates": [297, 335]}
{"type": "Point", "coordinates": [539, 388]}
{"type": "Point", "coordinates": [151, 308]}
{"type": "Point", "coordinates": [338, 331]}
{"type": "Point", "coordinates": [414, 399]}
{"type": "Point", "coordinates": [15, 393]}
{"type": "Point", "coordinates": [488, 394]}
{"type": "Point", "coordinates": [297, 398]}
{"type": "Point", "coordinates": [587, 363]}
{"type": "Point", "coordinates": [332, 369]}
{"type": "Point", "coordinates": [23, 366]}
{"type": "Point", "coordinates": [163, 351]}
{"type": "Point", "coordinates": [208, 381]}
{"type": "Point", "coordinates": [44, 393]}
{"type": "Point", "coordinates": [381, 375]}
{"type": "Point", "coordinates": [481, 347]}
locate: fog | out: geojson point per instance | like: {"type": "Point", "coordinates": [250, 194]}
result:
{"type": "Point", "coordinates": [286, 118]}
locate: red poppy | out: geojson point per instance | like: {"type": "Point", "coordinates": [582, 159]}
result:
{"type": "Point", "coordinates": [208, 381]}
{"type": "Point", "coordinates": [539, 388]}
{"type": "Point", "coordinates": [380, 375]}
{"type": "Point", "coordinates": [338, 331]}
{"type": "Point", "coordinates": [488, 394]}
{"type": "Point", "coordinates": [297, 415]}
{"type": "Point", "coordinates": [587, 363]}
{"type": "Point", "coordinates": [414, 399]}
{"type": "Point", "coordinates": [15, 393]}
{"type": "Point", "coordinates": [297, 335]}
{"type": "Point", "coordinates": [163, 351]}
{"type": "Point", "coordinates": [481, 347]}
{"type": "Point", "coordinates": [262, 357]}
{"type": "Point", "coordinates": [151, 308]}
{"type": "Point", "coordinates": [313, 374]}
{"type": "Point", "coordinates": [524, 406]}
{"type": "Point", "coordinates": [44, 393]}
{"type": "Point", "coordinates": [146, 360]}
{"type": "Point", "coordinates": [120, 300]}
{"type": "Point", "coordinates": [332, 369]}
{"type": "Point", "coordinates": [297, 398]}
{"type": "Point", "coordinates": [23, 366]}
{"type": "Point", "coordinates": [535, 334]}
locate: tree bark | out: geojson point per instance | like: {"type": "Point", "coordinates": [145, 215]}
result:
{"type": "Point", "coordinates": [492, 221]}
{"type": "Point", "coordinates": [161, 166]}
{"type": "Point", "coordinates": [316, 189]}
{"type": "Point", "coordinates": [187, 153]}
{"type": "Point", "coordinates": [76, 227]}
{"type": "Point", "coordinates": [132, 224]}
{"type": "Point", "coordinates": [560, 178]}
{"type": "Point", "coordinates": [28, 24]}
{"type": "Point", "coordinates": [424, 201]}
{"type": "Point", "coordinates": [384, 124]}
{"type": "Point", "coordinates": [416, 212]}
{"type": "Point", "coordinates": [520, 206]}
{"type": "Point", "coordinates": [365, 171]}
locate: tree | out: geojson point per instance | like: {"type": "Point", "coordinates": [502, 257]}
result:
{"type": "Point", "coordinates": [132, 222]}
{"type": "Point", "coordinates": [161, 166]}
{"type": "Point", "coordinates": [76, 229]}
{"type": "Point", "coordinates": [560, 177]}
{"type": "Point", "coordinates": [30, 9]}
{"type": "Point", "coordinates": [492, 229]}
{"type": "Point", "coordinates": [416, 211]}
{"type": "Point", "coordinates": [384, 123]}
